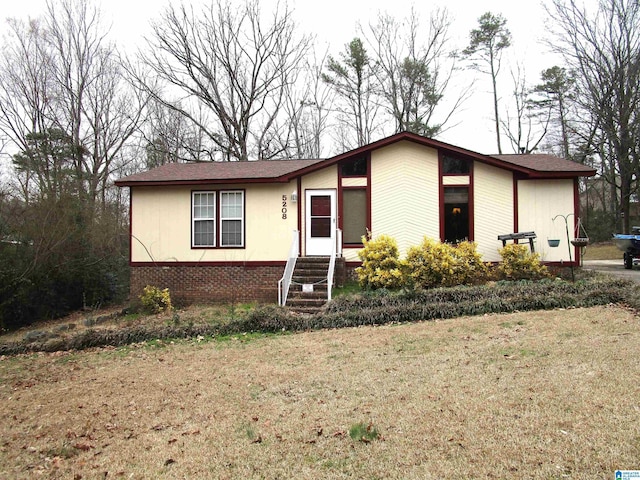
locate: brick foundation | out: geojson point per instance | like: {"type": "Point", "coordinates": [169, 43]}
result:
{"type": "Point", "coordinates": [210, 284]}
{"type": "Point", "coordinates": [350, 271]}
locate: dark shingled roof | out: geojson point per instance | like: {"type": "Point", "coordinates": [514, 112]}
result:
{"type": "Point", "coordinates": [542, 162]}
{"type": "Point", "coordinates": [200, 172]}
{"type": "Point", "coordinates": [529, 165]}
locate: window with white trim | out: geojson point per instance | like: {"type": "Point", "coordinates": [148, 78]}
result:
{"type": "Point", "coordinates": [231, 219]}
{"type": "Point", "coordinates": [204, 219]}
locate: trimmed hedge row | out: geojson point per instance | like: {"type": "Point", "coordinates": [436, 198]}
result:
{"type": "Point", "coordinates": [108, 337]}
{"type": "Point", "coordinates": [371, 308]}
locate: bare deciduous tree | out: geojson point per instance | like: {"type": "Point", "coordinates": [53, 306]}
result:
{"type": "Point", "coordinates": [415, 65]}
{"type": "Point", "coordinates": [61, 79]}
{"type": "Point", "coordinates": [96, 107]}
{"type": "Point", "coordinates": [603, 49]}
{"type": "Point", "coordinates": [232, 61]}
{"type": "Point", "coordinates": [26, 89]}
{"type": "Point", "coordinates": [308, 106]}
{"type": "Point", "coordinates": [169, 136]}
{"type": "Point", "coordinates": [529, 125]}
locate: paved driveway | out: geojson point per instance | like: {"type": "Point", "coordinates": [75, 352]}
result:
{"type": "Point", "coordinates": [613, 267]}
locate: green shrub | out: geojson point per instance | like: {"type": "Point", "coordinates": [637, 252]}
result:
{"type": "Point", "coordinates": [381, 266]}
{"type": "Point", "coordinates": [155, 300]}
{"type": "Point", "coordinates": [518, 263]}
{"type": "Point", "coordinates": [266, 319]}
{"type": "Point", "coordinates": [435, 264]}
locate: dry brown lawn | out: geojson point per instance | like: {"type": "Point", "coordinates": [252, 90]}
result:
{"type": "Point", "coordinates": [531, 395]}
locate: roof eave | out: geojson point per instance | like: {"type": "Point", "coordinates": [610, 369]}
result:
{"type": "Point", "coordinates": [542, 175]}
{"type": "Point", "coordinates": [209, 181]}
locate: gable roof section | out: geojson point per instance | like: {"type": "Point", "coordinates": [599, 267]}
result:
{"type": "Point", "coordinates": [220, 172]}
{"type": "Point", "coordinates": [273, 171]}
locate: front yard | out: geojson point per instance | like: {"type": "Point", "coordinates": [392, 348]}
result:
{"type": "Point", "coordinates": [550, 394]}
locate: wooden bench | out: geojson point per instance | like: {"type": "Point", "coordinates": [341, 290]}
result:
{"type": "Point", "coordinates": [515, 237]}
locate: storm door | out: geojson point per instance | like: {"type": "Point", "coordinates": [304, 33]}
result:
{"type": "Point", "coordinates": [320, 221]}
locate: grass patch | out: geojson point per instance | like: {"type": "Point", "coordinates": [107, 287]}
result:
{"type": "Point", "coordinates": [240, 338]}
{"type": "Point", "coordinates": [64, 451]}
{"type": "Point", "coordinates": [249, 432]}
{"type": "Point", "coordinates": [363, 432]}
{"type": "Point", "coordinates": [519, 323]}
{"type": "Point", "coordinates": [131, 317]}
{"type": "Point", "coordinates": [518, 352]}
{"type": "Point", "coordinates": [349, 288]}
{"type": "Point", "coordinates": [602, 251]}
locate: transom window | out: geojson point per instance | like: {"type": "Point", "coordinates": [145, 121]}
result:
{"type": "Point", "coordinates": [356, 167]}
{"type": "Point", "coordinates": [455, 166]}
{"type": "Point", "coordinates": [213, 226]}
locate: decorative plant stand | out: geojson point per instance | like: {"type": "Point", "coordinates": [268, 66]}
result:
{"type": "Point", "coordinates": [578, 240]}
{"type": "Point", "coordinates": [566, 226]}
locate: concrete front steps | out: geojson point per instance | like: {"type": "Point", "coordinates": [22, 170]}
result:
{"type": "Point", "coordinates": [311, 271]}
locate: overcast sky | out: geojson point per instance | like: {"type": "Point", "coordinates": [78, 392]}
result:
{"type": "Point", "coordinates": [333, 23]}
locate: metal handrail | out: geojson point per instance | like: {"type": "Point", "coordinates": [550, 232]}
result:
{"type": "Point", "coordinates": [285, 282]}
{"type": "Point", "coordinates": [337, 246]}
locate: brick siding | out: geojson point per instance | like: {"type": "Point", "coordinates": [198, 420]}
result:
{"type": "Point", "coordinates": [350, 271]}
{"type": "Point", "coordinates": [210, 284]}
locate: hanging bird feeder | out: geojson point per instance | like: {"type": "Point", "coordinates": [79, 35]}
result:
{"type": "Point", "coordinates": [579, 240]}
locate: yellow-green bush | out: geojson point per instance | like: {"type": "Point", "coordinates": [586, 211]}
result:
{"type": "Point", "coordinates": [518, 263]}
{"type": "Point", "coordinates": [436, 264]}
{"type": "Point", "coordinates": [381, 266]}
{"type": "Point", "coordinates": [476, 270]}
{"type": "Point", "coordinates": [155, 300]}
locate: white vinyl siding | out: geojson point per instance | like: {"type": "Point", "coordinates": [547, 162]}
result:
{"type": "Point", "coordinates": [404, 194]}
{"type": "Point", "coordinates": [493, 208]}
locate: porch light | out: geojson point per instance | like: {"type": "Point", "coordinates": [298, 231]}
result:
{"type": "Point", "coordinates": [456, 210]}
{"type": "Point", "coordinates": [294, 196]}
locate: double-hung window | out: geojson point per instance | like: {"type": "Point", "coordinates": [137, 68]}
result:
{"type": "Point", "coordinates": [204, 219]}
{"type": "Point", "coordinates": [231, 219]}
{"type": "Point", "coordinates": [217, 219]}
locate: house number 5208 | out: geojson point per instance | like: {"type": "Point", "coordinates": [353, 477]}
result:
{"type": "Point", "coordinates": [284, 207]}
